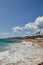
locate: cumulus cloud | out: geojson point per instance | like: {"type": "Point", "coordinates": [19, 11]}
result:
{"type": "Point", "coordinates": [29, 25]}
{"type": "Point", "coordinates": [39, 22]}
{"type": "Point", "coordinates": [17, 29]}
{"type": "Point", "coordinates": [37, 25]}
{"type": "Point", "coordinates": [41, 31]}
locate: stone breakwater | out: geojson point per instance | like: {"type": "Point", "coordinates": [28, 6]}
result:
{"type": "Point", "coordinates": [20, 54]}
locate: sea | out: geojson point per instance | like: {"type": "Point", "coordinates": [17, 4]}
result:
{"type": "Point", "coordinates": [19, 52]}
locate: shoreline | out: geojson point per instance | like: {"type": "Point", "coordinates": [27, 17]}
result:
{"type": "Point", "coordinates": [22, 54]}
{"type": "Point", "coordinates": [34, 41]}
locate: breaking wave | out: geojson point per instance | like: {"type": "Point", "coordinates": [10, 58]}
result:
{"type": "Point", "coordinates": [20, 54]}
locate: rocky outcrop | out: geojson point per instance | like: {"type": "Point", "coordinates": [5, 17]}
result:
{"type": "Point", "coordinates": [40, 63]}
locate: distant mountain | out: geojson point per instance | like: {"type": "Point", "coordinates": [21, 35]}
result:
{"type": "Point", "coordinates": [25, 37]}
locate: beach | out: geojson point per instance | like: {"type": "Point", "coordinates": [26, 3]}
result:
{"type": "Point", "coordinates": [34, 41]}
{"type": "Point", "coordinates": [23, 53]}
{"type": "Point", "coordinates": [39, 43]}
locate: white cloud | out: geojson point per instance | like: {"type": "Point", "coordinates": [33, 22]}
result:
{"type": "Point", "coordinates": [37, 30]}
{"type": "Point", "coordinates": [4, 33]}
{"type": "Point", "coordinates": [41, 31]}
{"type": "Point", "coordinates": [29, 26]}
{"type": "Point", "coordinates": [17, 29]}
{"type": "Point", "coordinates": [39, 22]}
{"type": "Point", "coordinates": [37, 25]}
{"type": "Point", "coordinates": [28, 33]}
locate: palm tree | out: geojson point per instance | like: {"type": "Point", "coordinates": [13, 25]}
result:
{"type": "Point", "coordinates": [38, 33]}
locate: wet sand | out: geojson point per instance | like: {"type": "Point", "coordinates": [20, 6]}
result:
{"type": "Point", "coordinates": [34, 41]}
{"type": "Point", "coordinates": [38, 42]}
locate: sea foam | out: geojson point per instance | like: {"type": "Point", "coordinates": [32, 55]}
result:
{"type": "Point", "coordinates": [19, 54]}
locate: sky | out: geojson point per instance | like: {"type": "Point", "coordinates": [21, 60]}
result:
{"type": "Point", "coordinates": [20, 17]}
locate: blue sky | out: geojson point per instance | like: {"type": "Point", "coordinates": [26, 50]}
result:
{"type": "Point", "coordinates": [16, 14]}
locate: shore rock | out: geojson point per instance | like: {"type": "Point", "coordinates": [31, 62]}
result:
{"type": "Point", "coordinates": [40, 63]}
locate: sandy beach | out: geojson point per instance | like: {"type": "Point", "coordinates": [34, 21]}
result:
{"type": "Point", "coordinates": [38, 42]}
{"type": "Point", "coordinates": [34, 41]}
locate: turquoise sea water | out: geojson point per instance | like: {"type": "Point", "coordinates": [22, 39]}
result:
{"type": "Point", "coordinates": [4, 44]}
